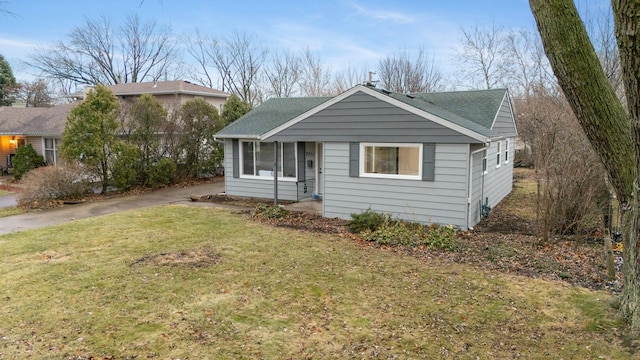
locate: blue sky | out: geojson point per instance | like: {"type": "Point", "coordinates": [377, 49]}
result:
{"type": "Point", "coordinates": [341, 32]}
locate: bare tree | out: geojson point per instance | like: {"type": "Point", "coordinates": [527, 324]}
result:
{"type": "Point", "coordinates": [404, 72]}
{"type": "Point", "coordinates": [612, 129]}
{"type": "Point", "coordinates": [239, 60]}
{"type": "Point", "coordinates": [526, 64]}
{"type": "Point", "coordinates": [350, 77]}
{"type": "Point", "coordinates": [283, 74]}
{"type": "Point", "coordinates": [316, 77]}
{"type": "Point", "coordinates": [481, 56]}
{"type": "Point", "coordinates": [96, 53]}
{"type": "Point", "coordinates": [36, 93]}
{"type": "Point", "coordinates": [201, 47]}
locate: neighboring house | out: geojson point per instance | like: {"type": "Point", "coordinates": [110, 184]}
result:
{"type": "Point", "coordinates": [43, 127]}
{"type": "Point", "coordinates": [170, 93]}
{"type": "Point", "coordinates": [432, 157]}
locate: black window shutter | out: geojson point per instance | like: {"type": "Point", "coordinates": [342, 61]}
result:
{"type": "Point", "coordinates": [354, 159]}
{"type": "Point", "coordinates": [301, 161]}
{"type": "Point", "coordinates": [236, 157]}
{"type": "Point", "coordinates": [428, 161]}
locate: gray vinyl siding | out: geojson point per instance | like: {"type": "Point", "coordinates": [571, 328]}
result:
{"type": "Point", "coordinates": [504, 123]}
{"type": "Point", "coordinates": [363, 118]}
{"type": "Point", "coordinates": [258, 188]}
{"type": "Point", "coordinates": [498, 182]}
{"type": "Point", "coordinates": [442, 201]}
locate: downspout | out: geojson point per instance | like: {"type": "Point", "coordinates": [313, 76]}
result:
{"type": "Point", "coordinates": [470, 187]}
{"type": "Point", "coordinates": [275, 173]}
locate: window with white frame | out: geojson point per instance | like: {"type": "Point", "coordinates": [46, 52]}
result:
{"type": "Point", "coordinates": [51, 150]}
{"type": "Point", "coordinates": [485, 169]}
{"type": "Point", "coordinates": [257, 159]}
{"type": "Point", "coordinates": [391, 160]}
{"type": "Point", "coordinates": [506, 151]}
{"type": "Point", "coordinates": [498, 154]}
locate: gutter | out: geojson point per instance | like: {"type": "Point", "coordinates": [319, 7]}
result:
{"type": "Point", "coordinates": [250, 137]}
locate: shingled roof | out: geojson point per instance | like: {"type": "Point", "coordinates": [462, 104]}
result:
{"type": "Point", "coordinates": [472, 110]}
{"type": "Point", "coordinates": [45, 121]}
{"type": "Point", "coordinates": [50, 121]}
{"type": "Point", "coordinates": [269, 115]}
{"type": "Point", "coordinates": [166, 87]}
{"type": "Point", "coordinates": [160, 88]}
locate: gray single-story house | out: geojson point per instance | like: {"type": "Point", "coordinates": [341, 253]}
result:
{"type": "Point", "coordinates": [428, 157]}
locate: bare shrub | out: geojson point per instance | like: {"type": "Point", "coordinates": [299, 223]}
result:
{"type": "Point", "coordinates": [46, 186]}
{"type": "Point", "coordinates": [572, 190]}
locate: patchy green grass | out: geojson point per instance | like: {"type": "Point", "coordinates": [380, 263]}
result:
{"type": "Point", "coordinates": [521, 202]}
{"type": "Point", "coordinates": [10, 211]}
{"type": "Point", "coordinates": [188, 282]}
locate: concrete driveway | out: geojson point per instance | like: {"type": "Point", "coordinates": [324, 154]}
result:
{"type": "Point", "coordinates": [44, 218]}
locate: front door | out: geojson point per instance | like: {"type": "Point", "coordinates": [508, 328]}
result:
{"type": "Point", "coordinates": [319, 168]}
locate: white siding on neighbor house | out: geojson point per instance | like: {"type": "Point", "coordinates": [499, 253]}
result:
{"type": "Point", "coordinates": [442, 201]}
{"type": "Point", "coordinates": [37, 142]}
{"type": "Point", "coordinates": [287, 190]}
{"type": "Point", "coordinates": [498, 182]}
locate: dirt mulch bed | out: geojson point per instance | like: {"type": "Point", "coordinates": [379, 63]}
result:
{"type": "Point", "coordinates": [578, 262]}
{"type": "Point", "coordinates": [193, 257]}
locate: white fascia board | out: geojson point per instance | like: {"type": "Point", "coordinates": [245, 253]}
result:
{"type": "Point", "coordinates": [233, 136]}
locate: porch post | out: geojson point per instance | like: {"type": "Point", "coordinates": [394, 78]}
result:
{"type": "Point", "coordinates": [275, 173]}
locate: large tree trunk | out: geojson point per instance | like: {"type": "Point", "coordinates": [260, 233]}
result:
{"type": "Point", "coordinates": [612, 132]}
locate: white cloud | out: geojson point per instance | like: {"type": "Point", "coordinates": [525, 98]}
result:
{"type": "Point", "coordinates": [383, 15]}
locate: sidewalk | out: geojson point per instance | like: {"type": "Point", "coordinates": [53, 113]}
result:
{"type": "Point", "coordinates": [44, 218]}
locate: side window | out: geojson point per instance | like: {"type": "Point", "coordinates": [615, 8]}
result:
{"type": "Point", "coordinates": [485, 169]}
{"type": "Point", "coordinates": [506, 151]}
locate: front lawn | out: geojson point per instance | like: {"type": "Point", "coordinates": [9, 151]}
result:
{"type": "Point", "coordinates": [188, 282]}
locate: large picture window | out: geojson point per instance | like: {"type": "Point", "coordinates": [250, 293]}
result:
{"type": "Point", "coordinates": [257, 159]}
{"type": "Point", "coordinates": [391, 160]}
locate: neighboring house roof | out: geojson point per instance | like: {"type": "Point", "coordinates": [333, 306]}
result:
{"type": "Point", "coordinates": [166, 87]}
{"type": "Point", "coordinates": [45, 121]}
{"type": "Point", "coordinates": [50, 121]}
{"type": "Point", "coordinates": [470, 112]}
{"type": "Point", "coordinates": [177, 87]}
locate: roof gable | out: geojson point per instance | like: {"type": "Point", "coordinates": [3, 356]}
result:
{"type": "Point", "coordinates": [470, 113]}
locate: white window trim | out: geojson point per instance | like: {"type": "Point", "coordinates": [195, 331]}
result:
{"type": "Point", "coordinates": [485, 162]}
{"type": "Point", "coordinates": [56, 142]}
{"type": "Point", "coordinates": [498, 154]}
{"type": "Point", "coordinates": [268, 177]}
{"type": "Point", "coordinates": [391, 176]}
{"type": "Point", "coordinates": [506, 151]}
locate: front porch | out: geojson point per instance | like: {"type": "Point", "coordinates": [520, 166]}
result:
{"type": "Point", "coordinates": [306, 205]}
